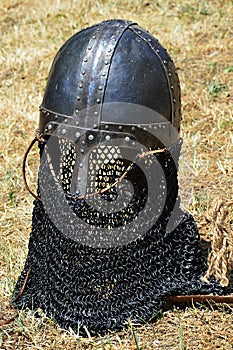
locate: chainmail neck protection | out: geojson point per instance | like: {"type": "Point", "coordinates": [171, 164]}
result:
{"type": "Point", "coordinates": [100, 289]}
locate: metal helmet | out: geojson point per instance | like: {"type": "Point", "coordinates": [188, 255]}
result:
{"type": "Point", "coordinates": [111, 112]}
{"type": "Point", "coordinates": [114, 61]}
{"type": "Point", "coordinates": [112, 80]}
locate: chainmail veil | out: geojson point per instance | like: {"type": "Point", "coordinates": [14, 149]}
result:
{"type": "Point", "coordinates": [100, 285]}
{"type": "Point", "coordinates": [102, 288]}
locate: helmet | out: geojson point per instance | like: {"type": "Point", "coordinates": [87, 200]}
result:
{"type": "Point", "coordinates": [112, 93]}
{"type": "Point", "coordinates": [99, 250]}
{"type": "Point", "coordinates": [115, 61]}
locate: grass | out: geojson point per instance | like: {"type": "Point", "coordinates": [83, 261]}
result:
{"type": "Point", "coordinates": [198, 34]}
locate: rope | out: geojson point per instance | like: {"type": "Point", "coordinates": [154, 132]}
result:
{"type": "Point", "coordinates": [220, 259]}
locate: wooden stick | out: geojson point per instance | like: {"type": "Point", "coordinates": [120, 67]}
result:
{"type": "Point", "coordinates": [201, 298]}
{"type": "Point", "coordinates": [24, 285]}
{"type": "Point", "coordinates": [9, 320]}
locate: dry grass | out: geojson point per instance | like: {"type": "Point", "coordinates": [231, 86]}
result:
{"type": "Point", "coordinates": [198, 34]}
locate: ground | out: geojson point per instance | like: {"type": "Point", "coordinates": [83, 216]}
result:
{"type": "Point", "coordinates": [198, 35]}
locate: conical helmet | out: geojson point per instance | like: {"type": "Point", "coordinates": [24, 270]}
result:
{"type": "Point", "coordinates": [109, 241]}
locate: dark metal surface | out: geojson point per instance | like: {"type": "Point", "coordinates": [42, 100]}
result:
{"type": "Point", "coordinates": [78, 76]}
{"type": "Point", "coordinates": [110, 75]}
{"type": "Point", "coordinates": [115, 61]}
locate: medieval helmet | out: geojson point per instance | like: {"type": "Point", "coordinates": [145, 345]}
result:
{"type": "Point", "coordinates": [114, 61]}
{"type": "Point", "coordinates": [110, 112]}
{"type": "Point", "coordinates": [112, 90]}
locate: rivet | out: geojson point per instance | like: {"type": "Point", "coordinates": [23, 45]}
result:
{"type": "Point", "coordinates": [133, 128]}
{"type": "Point", "coordinates": [49, 127]}
{"type": "Point", "coordinates": [78, 98]}
{"type": "Point", "coordinates": [106, 62]}
{"type": "Point", "coordinates": [47, 114]}
{"type": "Point", "coordinates": [172, 87]}
{"type": "Point", "coordinates": [164, 126]}
{"type": "Point", "coordinates": [94, 126]}
{"type": "Point", "coordinates": [139, 32]}
{"type": "Point", "coordinates": [157, 50]}
{"type": "Point", "coordinates": [106, 126]}
{"type": "Point", "coordinates": [80, 165]}
{"type": "Point", "coordinates": [89, 48]}
{"type": "Point", "coordinates": [120, 127]}
{"type": "Point", "coordinates": [83, 72]}
{"type": "Point", "coordinates": [80, 86]}
{"type": "Point", "coordinates": [96, 113]}
{"type": "Point", "coordinates": [65, 121]}
{"type": "Point", "coordinates": [77, 111]}
{"type": "Point", "coordinates": [63, 131]}
{"type": "Point", "coordinates": [149, 39]}
{"type": "Point", "coordinates": [160, 126]}
{"type": "Point", "coordinates": [93, 37]}
{"type": "Point", "coordinates": [155, 127]}
{"type": "Point", "coordinates": [79, 179]}
{"type": "Point", "coordinates": [108, 138]}
{"type": "Point", "coordinates": [82, 150]}
{"type": "Point", "coordinates": [56, 116]}
{"type": "Point", "coordinates": [169, 74]}
{"type": "Point", "coordinates": [77, 134]}
{"type": "Point", "coordinates": [100, 87]}
{"type": "Point", "coordinates": [174, 100]}
{"type": "Point", "coordinates": [109, 50]}
{"type": "Point", "coordinates": [103, 74]}
{"type": "Point", "coordinates": [85, 59]}
{"type": "Point", "coordinates": [98, 100]}
{"type": "Point", "coordinates": [77, 122]}
{"type": "Point", "coordinates": [164, 61]}
{"type": "Point", "coordinates": [127, 139]}
{"type": "Point", "coordinates": [91, 137]}
{"type": "Point", "coordinates": [83, 143]}
{"type": "Point", "coordinates": [121, 26]}
{"type": "Point", "coordinates": [133, 143]}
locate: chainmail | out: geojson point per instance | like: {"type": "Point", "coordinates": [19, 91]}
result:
{"type": "Point", "coordinates": [102, 288]}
